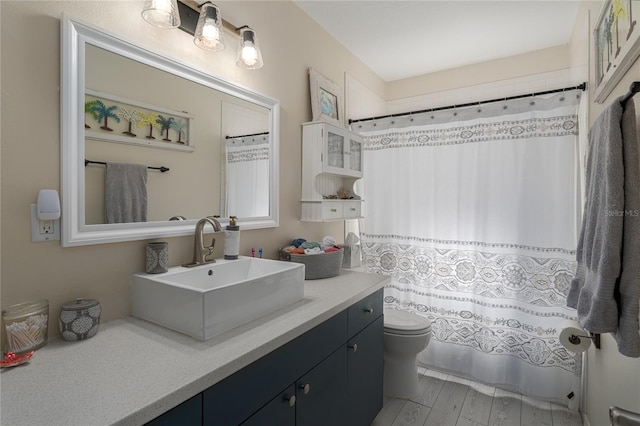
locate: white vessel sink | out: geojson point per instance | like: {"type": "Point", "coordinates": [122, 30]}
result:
{"type": "Point", "coordinates": [208, 300]}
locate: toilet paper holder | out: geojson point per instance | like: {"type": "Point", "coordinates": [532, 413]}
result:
{"type": "Point", "coordinates": [575, 339]}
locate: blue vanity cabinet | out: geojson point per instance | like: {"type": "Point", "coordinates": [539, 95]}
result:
{"type": "Point", "coordinates": [330, 375]}
{"type": "Point", "coordinates": [239, 396]}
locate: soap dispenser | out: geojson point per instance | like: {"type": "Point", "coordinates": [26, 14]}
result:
{"type": "Point", "coordinates": [232, 239]}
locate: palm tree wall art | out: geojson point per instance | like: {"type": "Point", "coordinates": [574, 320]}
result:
{"type": "Point", "coordinates": [117, 118]}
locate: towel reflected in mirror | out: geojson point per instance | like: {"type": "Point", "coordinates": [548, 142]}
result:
{"type": "Point", "coordinates": [125, 193]}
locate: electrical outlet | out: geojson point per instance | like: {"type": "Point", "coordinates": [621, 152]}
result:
{"type": "Point", "coordinates": [46, 226]}
{"type": "Point", "coordinates": [43, 230]}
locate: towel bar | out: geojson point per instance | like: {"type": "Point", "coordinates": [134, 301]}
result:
{"type": "Point", "coordinates": [622, 417]}
{"type": "Point", "coordinates": [161, 168]}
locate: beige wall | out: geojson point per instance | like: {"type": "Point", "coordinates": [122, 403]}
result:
{"type": "Point", "coordinates": [532, 63]}
{"type": "Point", "coordinates": [30, 50]}
{"type": "Point", "coordinates": [612, 379]}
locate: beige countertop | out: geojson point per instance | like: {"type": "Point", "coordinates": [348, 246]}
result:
{"type": "Point", "coordinates": [132, 371]}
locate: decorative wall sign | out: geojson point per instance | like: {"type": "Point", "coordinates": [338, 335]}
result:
{"type": "Point", "coordinates": [326, 99]}
{"type": "Point", "coordinates": [617, 44]}
{"type": "Point", "coordinates": [111, 118]}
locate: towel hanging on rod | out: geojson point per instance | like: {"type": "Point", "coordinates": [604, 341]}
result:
{"type": "Point", "coordinates": [161, 168]}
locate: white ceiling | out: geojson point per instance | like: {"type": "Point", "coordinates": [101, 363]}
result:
{"type": "Point", "coordinates": [400, 39]}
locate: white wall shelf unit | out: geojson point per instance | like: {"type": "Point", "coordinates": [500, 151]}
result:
{"type": "Point", "coordinates": [331, 162]}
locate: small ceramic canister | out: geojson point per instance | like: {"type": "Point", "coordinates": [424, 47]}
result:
{"type": "Point", "coordinates": [157, 255]}
{"type": "Point", "coordinates": [80, 319]}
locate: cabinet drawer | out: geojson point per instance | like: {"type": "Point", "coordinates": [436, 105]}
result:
{"type": "Point", "coordinates": [332, 210]}
{"type": "Point", "coordinates": [352, 208]}
{"type": "Point", "coordinates": [364, 312]}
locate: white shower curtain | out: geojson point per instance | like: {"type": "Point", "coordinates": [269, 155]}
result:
{"type": "Point", "coordinates": [247, 181]}
{"type": "Point", "coordinates": [474, 214]}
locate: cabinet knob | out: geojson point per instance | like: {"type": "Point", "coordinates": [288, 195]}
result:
{"type": "Point", "coordinates": [305, 388]}
{"type": "Point", "coordinates": [354, 347]}
{"type": "Point", "coordinates": [369, 311]}
{"type": "Point", "coordinates": [291, 400]}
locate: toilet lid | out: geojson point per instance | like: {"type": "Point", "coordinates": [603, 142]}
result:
{"type": "Point", "coordinates": [403, 322]}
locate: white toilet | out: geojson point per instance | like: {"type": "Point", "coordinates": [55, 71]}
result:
{"type": "Point", "coordinates": [405, 334]}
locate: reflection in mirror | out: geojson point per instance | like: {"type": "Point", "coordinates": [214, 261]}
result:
{"type": "Point", "coordinates": [245, 188]}
{"type": "Point", "coordinates": [128, 106]}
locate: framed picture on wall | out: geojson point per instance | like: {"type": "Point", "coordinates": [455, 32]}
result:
{"type": "Point", "coordinates": [111, 118]}
{"type": "Point", "coordinates": [617, 44]}
{"type": "Point", "coordinates": [327, 99]}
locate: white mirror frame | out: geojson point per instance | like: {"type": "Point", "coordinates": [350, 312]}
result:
{"type": "Point", "coordinates": [74, 36]}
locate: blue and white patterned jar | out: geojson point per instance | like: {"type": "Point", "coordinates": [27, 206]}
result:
{"type": "Point", "coordinates": [80, 319]}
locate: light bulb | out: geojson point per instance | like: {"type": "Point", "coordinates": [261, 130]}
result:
{"type": "Point", "coordinates": [249, 54]}
{"type": "Point", "coordinates": [209, 31]}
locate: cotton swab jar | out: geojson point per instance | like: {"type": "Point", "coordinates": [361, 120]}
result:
{"type": "Point", "coordinates": [25, 326]}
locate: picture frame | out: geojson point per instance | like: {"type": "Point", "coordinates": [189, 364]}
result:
{"type": "Point", "coordinates": [616, 39]}
{"type": "Point", "coordinates": [111, 118]}
{"type": "Point", "coordinates": [327, 99]}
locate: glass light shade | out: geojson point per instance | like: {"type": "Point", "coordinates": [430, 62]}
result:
{"type": "Point", "coordinates": [249, 55]}
{"type": "Point", "coordinates": [208, 34]}
{"type": "Point", "coordinates": [161, 13]}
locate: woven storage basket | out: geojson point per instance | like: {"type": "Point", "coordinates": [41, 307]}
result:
{"type": "Point", "coordinates": [317, 266]}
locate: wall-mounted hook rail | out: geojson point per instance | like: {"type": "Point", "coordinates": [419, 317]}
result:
{"type": "Point", "coordinates": [247, 136]}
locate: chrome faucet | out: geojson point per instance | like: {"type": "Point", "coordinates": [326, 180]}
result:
{"type": "Point", "coordinates": [200, 251]}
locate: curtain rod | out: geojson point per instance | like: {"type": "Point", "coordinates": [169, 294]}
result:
{"type": "Point", "coordinates": [633, 89]}
{"type": "Point", "coordinates": [582, 86]}
{"type": "Point", "coordinates": [246, 136]}
{"type": "Point", "coordinates": [161, 168]}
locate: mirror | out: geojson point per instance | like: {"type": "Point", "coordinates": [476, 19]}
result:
{"type": "Point", "coordinates": [208, 147]}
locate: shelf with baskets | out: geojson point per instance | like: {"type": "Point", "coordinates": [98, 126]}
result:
{"type": "Point", "coordinates": [331, 165]}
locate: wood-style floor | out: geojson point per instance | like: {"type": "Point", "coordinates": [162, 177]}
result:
{"type": "Point", "coordinates": [446, 400]}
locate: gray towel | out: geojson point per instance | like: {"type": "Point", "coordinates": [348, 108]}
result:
{"type": "Point", "coordinates": [628, 333]}
{"type": "Point", "coordinates": [125, 193]}
{"type": "Point", "coordinates": [606, 287]}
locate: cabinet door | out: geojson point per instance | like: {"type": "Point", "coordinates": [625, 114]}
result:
{"type": "Point", "coordinates": [334, 150]}
{"type": "Point", "coordinates": [280, 411]}
{"type": "Point", "coordinates": [364, 378]}
{"type": "Point", "coordinates": [321, 393]}
{"type": "Point", "coordinates": [189, 413]}
{"type": "Point", "coordinates": [355, 155]}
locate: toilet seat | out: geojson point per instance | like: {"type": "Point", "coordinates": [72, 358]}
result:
{"type": "Point", "coordinates": [405, 323]}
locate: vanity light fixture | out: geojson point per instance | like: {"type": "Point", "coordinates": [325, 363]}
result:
{"type": "Point", "coordinates": [249, 55]}
{"type": "Point", "coordinates": [205, 23]}
{"type": "Point", "coordinates": [161, 13]}
{"type": "Point", "coordinates": [208, 34]}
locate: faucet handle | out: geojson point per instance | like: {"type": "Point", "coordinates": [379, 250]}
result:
{"type": "Point", "coordinates": [210, 248]}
